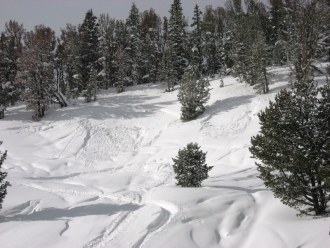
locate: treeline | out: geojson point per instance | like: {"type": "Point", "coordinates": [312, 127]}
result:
{"type": "Point", "coordinates": [241, 38]}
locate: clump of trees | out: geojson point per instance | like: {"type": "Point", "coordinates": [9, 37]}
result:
{"type": "Point", "coordinates": [3, 184]}
{"type": "Point", "coordinates": [244, 37]}
{"type": "Point", "coordinates": [190, 167]}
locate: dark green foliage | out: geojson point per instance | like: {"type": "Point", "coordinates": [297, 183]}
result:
{"type": "Point", "coordinates": [294, 147]}
{"type": "Point", "coordinates": [133, 49]}
{"type": "Point", "coordinates": [210, 51]}
{"type": "Point", "coordinates": [176, 43]}
{"type": "Point", "coordinates": [250, 51]}
{"type": "Point", "coordinates": [10, 51]}
{"type": "Point", "coordinates": [193, 94]}
{"type": "Point", "coordinates": [88, 49]}
{"type": "Point", "coordinates": [4, 185]}
{"type": "Point", "coordinates": [305, 37]}
{"type": "Point", "coordinates": [197, 39]}
{"type": "Point", "coordinates": [190, 167]}
{"type": "Point", "coordinates": [90, 92]}
{"type": "Point", "coordinates": [120, 65]}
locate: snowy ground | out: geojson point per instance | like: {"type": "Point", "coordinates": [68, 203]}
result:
{"type": "Point", "coordinates": [100, 175]}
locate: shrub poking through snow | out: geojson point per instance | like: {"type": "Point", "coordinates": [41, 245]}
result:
{"type": "Point", "coordinates": [190, 167]}
{"type": "Point", "coordinates": [3, 186]}
{"type": "Point", "coordinates": [294, 147]}
{"type": "Point", "coordinates": [194, 93]}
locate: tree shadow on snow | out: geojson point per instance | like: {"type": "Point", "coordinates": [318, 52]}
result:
{"type": "Point", "coordinates": [225, 105]}
{"type": "Point", "coordinates": [50, 214]}
{"type": "Point", "coordinates": [118, 106]}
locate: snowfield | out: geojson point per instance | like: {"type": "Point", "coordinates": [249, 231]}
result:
{"type": "Point", "coordinates": [100, 174]}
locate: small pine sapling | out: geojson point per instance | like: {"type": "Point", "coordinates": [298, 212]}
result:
{"type": "Point", "coordinates": [190, 167]}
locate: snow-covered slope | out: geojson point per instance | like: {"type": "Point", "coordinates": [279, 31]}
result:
{"type": "Point", "coordinates": [100, 175]}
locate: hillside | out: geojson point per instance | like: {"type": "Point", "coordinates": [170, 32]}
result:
{"type": "Point", "coordinates": [100, 175]}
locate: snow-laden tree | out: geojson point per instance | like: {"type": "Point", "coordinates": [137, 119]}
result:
{"type": "Point", "coordinates": [133, 48]}
{"type": "Point", "coordinates": [211, 55]}
{"type": "Point", "coordinates": [176, 43]}
{"type": "Point", "coordinates": [305, 35]}
{"type": "Point", "coordinates": [190, 167]}
{"type": "Point", "coordinates": [87, 49]}
{"type": "Point", "coordinates": [10, 51]}
{"type": "Point", "coordinates": [278, 28]}
{"type": "Point", "coordinates": [197, 39]}
{"type": "Point", "coordinates": [120, 64]}
{"type": "Point", "coordinates": [293, 147]}
{"type": "Point", "coordinates": [3, 175]}
{"type": "Point", "coordinates": [152, 45]}
{"type": "Point", "coordinates": [36, 70]}
{"type": "Point", "coordinates": [249, 50]}
{"type": "Point", "coordinates": [107, 48]}
{"type": "Point", "coordinates": [90, 92]}
{"type": "Point", "coordinates": [193, 94]}
{"type": "Point", "coordinates": [69, 40]}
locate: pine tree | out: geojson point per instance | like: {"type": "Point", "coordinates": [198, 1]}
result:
{"type": "Point", "coordinates": [249, 50]}
{"type": "Point", "coordinates": [133, 49]}
{"type": "Point", "coordinates": [197, 39]}
{"type": "Point", "coordinates": [176, 47]}
{"type": "Point", "coordinates": [211, 55]}
{"type": "Point", "coordinates": [87, 49]}
{"type": "Point", "coordinates": [193, 94]}
{"type": "Point", "coordinates": [190, 167]}
{"type": "Point", "coordinates": [278, 21]}
{"type": "Point", "coordinates": [152, 45]}
{"type": "Point", "coordinates": [120, 65]}
{"type": "Point", "coordinates": [90, 92]}
{"type": "Point", "coordinates": [258, 63]}
{"type": "Point", "coordinates": [294, 147]}
{"type": "Point", "coordinates": [107, 48]}
{"type": "Point", "coordinates": [10, 51]}
{"type": "Point", "coordinates": [305, 35]}
{"type": "Point", "coordinates": [37, 70]}
{"type": "Point", "coordinates": [70, 42]}
{"type": "Point", "coordinates": [3, 185]}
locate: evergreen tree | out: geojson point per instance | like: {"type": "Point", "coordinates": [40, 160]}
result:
{"type": "Point", "coordinates": [190, 167]}
{"type": "Point", "coordinates": [211, 55]}
{"type": "Point", "coordinates": [249, 49]}
{"type": "Point", "coordinates": [294, 147]}
{"type": "Point", "coordinates": [3, 185]}
{"type": "Point", "coordinates": [87, 49]}
{"type": "Point", "coordinates": [193, 94]}
{"type": "Point", "coordinates": [278, 20]}
{"type": "Point", "coordinates": [152, 45]}
{"type": "Point", "coordinates": [176, 47]}
{"type": "Point", "coordinates": [133, 49]}
{"type": "Point", "coordinates": [90, 92]}
{"type": "Point", "coordinates": [307, 30]}
{"type": "Point", "coordinates": [197, 39]}
{"type": "Point", "coordinates": [107, 48]}
{"type": "Point", "coordinates": [70, 42]}
{"type": "Point", "coordinates": [120, 65]}
{"type": "Point", "coordinates": [10, 51]}
{"type": "Point", "coordinates": [258, 62]}
{"type": "Point", "coordinates": [37, 70]}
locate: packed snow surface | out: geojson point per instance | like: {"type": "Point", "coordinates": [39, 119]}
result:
{"type": "Point", "coordinates": [100, 174]}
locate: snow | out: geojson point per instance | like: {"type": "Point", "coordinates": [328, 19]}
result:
{"type": "Point", "coordinates": [100, 174]}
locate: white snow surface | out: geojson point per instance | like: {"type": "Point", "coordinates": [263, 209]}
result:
{"type": "Point", "coordinates": [100, 174]}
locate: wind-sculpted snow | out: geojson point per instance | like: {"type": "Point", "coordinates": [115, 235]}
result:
{"type": "Point", "coordinates": [100, 174]}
